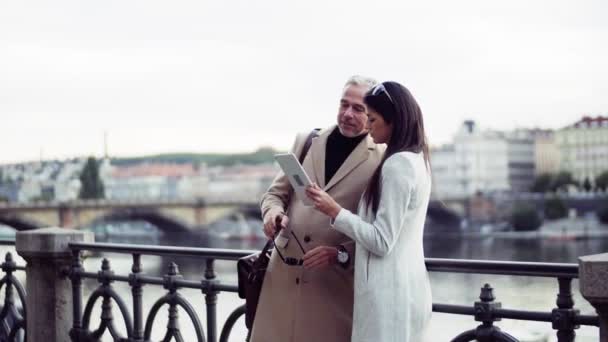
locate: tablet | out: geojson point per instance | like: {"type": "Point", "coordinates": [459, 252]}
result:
{"type": "Point", "coordinates": [295, 173]}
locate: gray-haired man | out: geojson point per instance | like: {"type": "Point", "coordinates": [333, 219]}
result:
{"type": "Point", "coordinates": [313, 302]}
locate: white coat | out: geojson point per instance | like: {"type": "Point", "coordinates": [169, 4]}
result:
{"type": "Point", "coordinates": [392, 300]}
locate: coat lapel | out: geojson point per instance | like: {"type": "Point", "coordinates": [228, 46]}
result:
{"type": "Point", "coordinates": [317, 151]}
{"type": "Point", "coordinates": [356, 157]}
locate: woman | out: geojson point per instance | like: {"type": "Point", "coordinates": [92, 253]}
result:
{"type": "Point", "coordinates": [392, 290]}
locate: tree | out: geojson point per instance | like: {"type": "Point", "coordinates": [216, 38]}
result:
{"type": "Point", "coordinates": [525, 217]}
{"type": "Point", "coordinates": [92, 185]}
{"type": "Point", "coordinates": [587, 185]}
{"type": "Point", "coordinates": [601, 181]}
{"type": "Point", "coordinates": [562, 180]}
{"type": "Point", "coordinates": [555, 208]}
{"type": "Point", "coordinates": [542, 183]}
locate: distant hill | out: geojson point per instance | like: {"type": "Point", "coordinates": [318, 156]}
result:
{"type": "Point", "coordinates": [263, 155]}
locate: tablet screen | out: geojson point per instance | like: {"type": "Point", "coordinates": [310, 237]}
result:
{"type": "Point", "coordinates": [295, 174]}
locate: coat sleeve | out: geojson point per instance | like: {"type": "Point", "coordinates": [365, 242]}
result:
{"type": "Point", "coordinates": [379, 237]}
{"type": "Point", "coordinates": [276, 198]}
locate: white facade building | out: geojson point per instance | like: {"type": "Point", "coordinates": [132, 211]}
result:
{"type": "Point", "coordinates": [193, 187]}
{"type": "Point", "coordinates": [29, 190]}
{"type": "Point", "coordinates": [446, 176]}
{"type": "Point", "coordinates": [521, 159]}
{"type": "Point", "coordinates": [67, 190]}
{"type": "Point", "coordinates": [546, 153]}
{"type": "Point", "coordinates": [583, 148]}
{"type": "Point", "coordinates": [483, 161]}
{"type": "Point", "coordinates": [148, 187]}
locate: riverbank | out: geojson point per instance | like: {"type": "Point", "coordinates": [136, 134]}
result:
{"type": "Point", "coordinates": [562, 229]}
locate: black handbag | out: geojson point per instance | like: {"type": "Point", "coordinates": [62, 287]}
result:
{"type": "Point", "coordinates": [251, 271]}
{"type": "Point", "coordinates": [252, 268]}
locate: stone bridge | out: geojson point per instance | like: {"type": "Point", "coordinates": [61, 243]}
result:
{"type": "Point", "coordinates": [169, 215]}
{"type": "Point", "coordinates": [181, 215]}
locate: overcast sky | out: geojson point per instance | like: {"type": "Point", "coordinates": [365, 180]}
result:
{"type": "Point", "coordinates": [230, 76]}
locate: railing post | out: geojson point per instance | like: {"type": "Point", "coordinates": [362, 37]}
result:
{"type": "Point", "coordinates": [593, 275]}
{"type": "Point", "coordinates": [564, 315]}
{"type": "Point", "coordinates": [49, 296]}
{"type": "Point", "coordinates": [484, 312]}
{"type": "Point", "coordinates": [211, 301]}
{"type": "Point", "coordinates": [137, 291]}
{"type": "Point", "coordinates": [172, 275]}
{"type": "Point", "coordinates": [77, 332]}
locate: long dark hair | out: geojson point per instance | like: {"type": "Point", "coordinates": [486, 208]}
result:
{"type": "Point", "coordinates": [400, 109]}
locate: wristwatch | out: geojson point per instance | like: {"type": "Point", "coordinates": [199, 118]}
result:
{"type": "Point", "coordinates": [342, 255]}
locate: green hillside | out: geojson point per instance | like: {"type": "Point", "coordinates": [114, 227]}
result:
{"type": "Point", "coordinates": [262, 155]}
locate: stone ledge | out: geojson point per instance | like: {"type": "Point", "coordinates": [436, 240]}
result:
{"type": "Point", "coordinates": [49, 242]}
{"type": "Point", "coordinates": [593, 276]}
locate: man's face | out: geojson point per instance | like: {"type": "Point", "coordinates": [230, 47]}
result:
{"type": "Point", "coordinates": [352, 115]}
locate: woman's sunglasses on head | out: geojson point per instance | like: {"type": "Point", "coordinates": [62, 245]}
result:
{"type": "Point", "coordinates": [379, 88]}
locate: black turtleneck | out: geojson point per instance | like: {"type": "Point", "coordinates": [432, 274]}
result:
{"type": "Point", "coordinates": [337, 150]}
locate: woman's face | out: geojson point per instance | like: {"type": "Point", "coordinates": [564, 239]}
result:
{"type": "Point", "coordinates": [378, 128]}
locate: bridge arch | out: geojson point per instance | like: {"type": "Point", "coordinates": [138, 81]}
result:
{"type": "Point", "coordinates": [440, 218]}
{"type": "Point", "coordinates": [20, 223]}
{"type": "Point", "coordinates": [162, 221]}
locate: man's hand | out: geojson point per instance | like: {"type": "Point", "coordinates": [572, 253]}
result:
{"type": "Point", "coordinates": [270, 224]}
{"type": "Point", "coordinates": [320, 257]}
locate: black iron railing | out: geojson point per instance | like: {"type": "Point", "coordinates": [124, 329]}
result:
{"type": "Point", "coordinates": [13, 310]}
{"type": "Point", "coordinates": [172, 282]}
{"type": "Point", "coordinates": [564, 318]}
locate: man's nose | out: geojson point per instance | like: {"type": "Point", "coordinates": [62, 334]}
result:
{"type": "Point", "coordinates": [348, 112]}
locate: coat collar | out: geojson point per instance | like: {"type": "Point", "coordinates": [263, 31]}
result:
{"type": "Point", "coordinates": [356, 157]}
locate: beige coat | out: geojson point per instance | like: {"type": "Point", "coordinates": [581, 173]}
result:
{"type": "Point", "coordinates": [298, 305]}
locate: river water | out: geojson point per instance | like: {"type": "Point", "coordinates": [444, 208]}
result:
{"type": "Point", "coordinates": [528, 293]}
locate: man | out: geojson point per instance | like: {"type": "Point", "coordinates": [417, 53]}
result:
{"type": "Point", "coordinates": [314, 301]}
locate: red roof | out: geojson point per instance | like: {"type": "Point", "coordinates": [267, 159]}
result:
{"type": "Point", "coordinates": [147, 170]}
{"type": "Point", "coordinates": [587, 121]}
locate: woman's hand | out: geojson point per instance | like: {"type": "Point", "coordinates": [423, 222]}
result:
{"type": "Point", "coordinates": [322, 201]}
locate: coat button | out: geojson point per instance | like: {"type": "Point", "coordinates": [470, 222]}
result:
{"type": "Point", "coordinates": [297, 281]}
{"type": "Point", "coordinates": [307, 238]}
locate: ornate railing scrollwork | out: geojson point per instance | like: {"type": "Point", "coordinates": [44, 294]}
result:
{"type": "Point", "coordinates": [230, 321]}
{"type": "Point", "coordinates": [12, 316]}
{"type": "Point", "coordinates": [108, 294]}
{"type": "Point", "coordinates": [173, 281]}
{"type": "Point", "coordinates": [173, 299]}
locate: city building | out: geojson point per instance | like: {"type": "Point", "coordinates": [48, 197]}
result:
{"type": "Point", "coordinates": [546, 152]}
{"type": "Point", "coordinates": [521, 156]}
{"type": "Point", "coordinates": [583, 148]}
{"type": "Point", "coordinates": [483, 161]}
{"type": "Point", "coordinates": [241, 181]}
{"type": "Point", "coordinates": [447, 178]}
{"type": "Point", "coordinates": [147, 181]}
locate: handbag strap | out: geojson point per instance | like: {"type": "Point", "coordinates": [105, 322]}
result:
{"type": "Point", "coordinates": [258, 262]}
{"type": "Point", "coordinates": [267, 246]}
{"type": "Point", "coordinates": [307, 144]}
